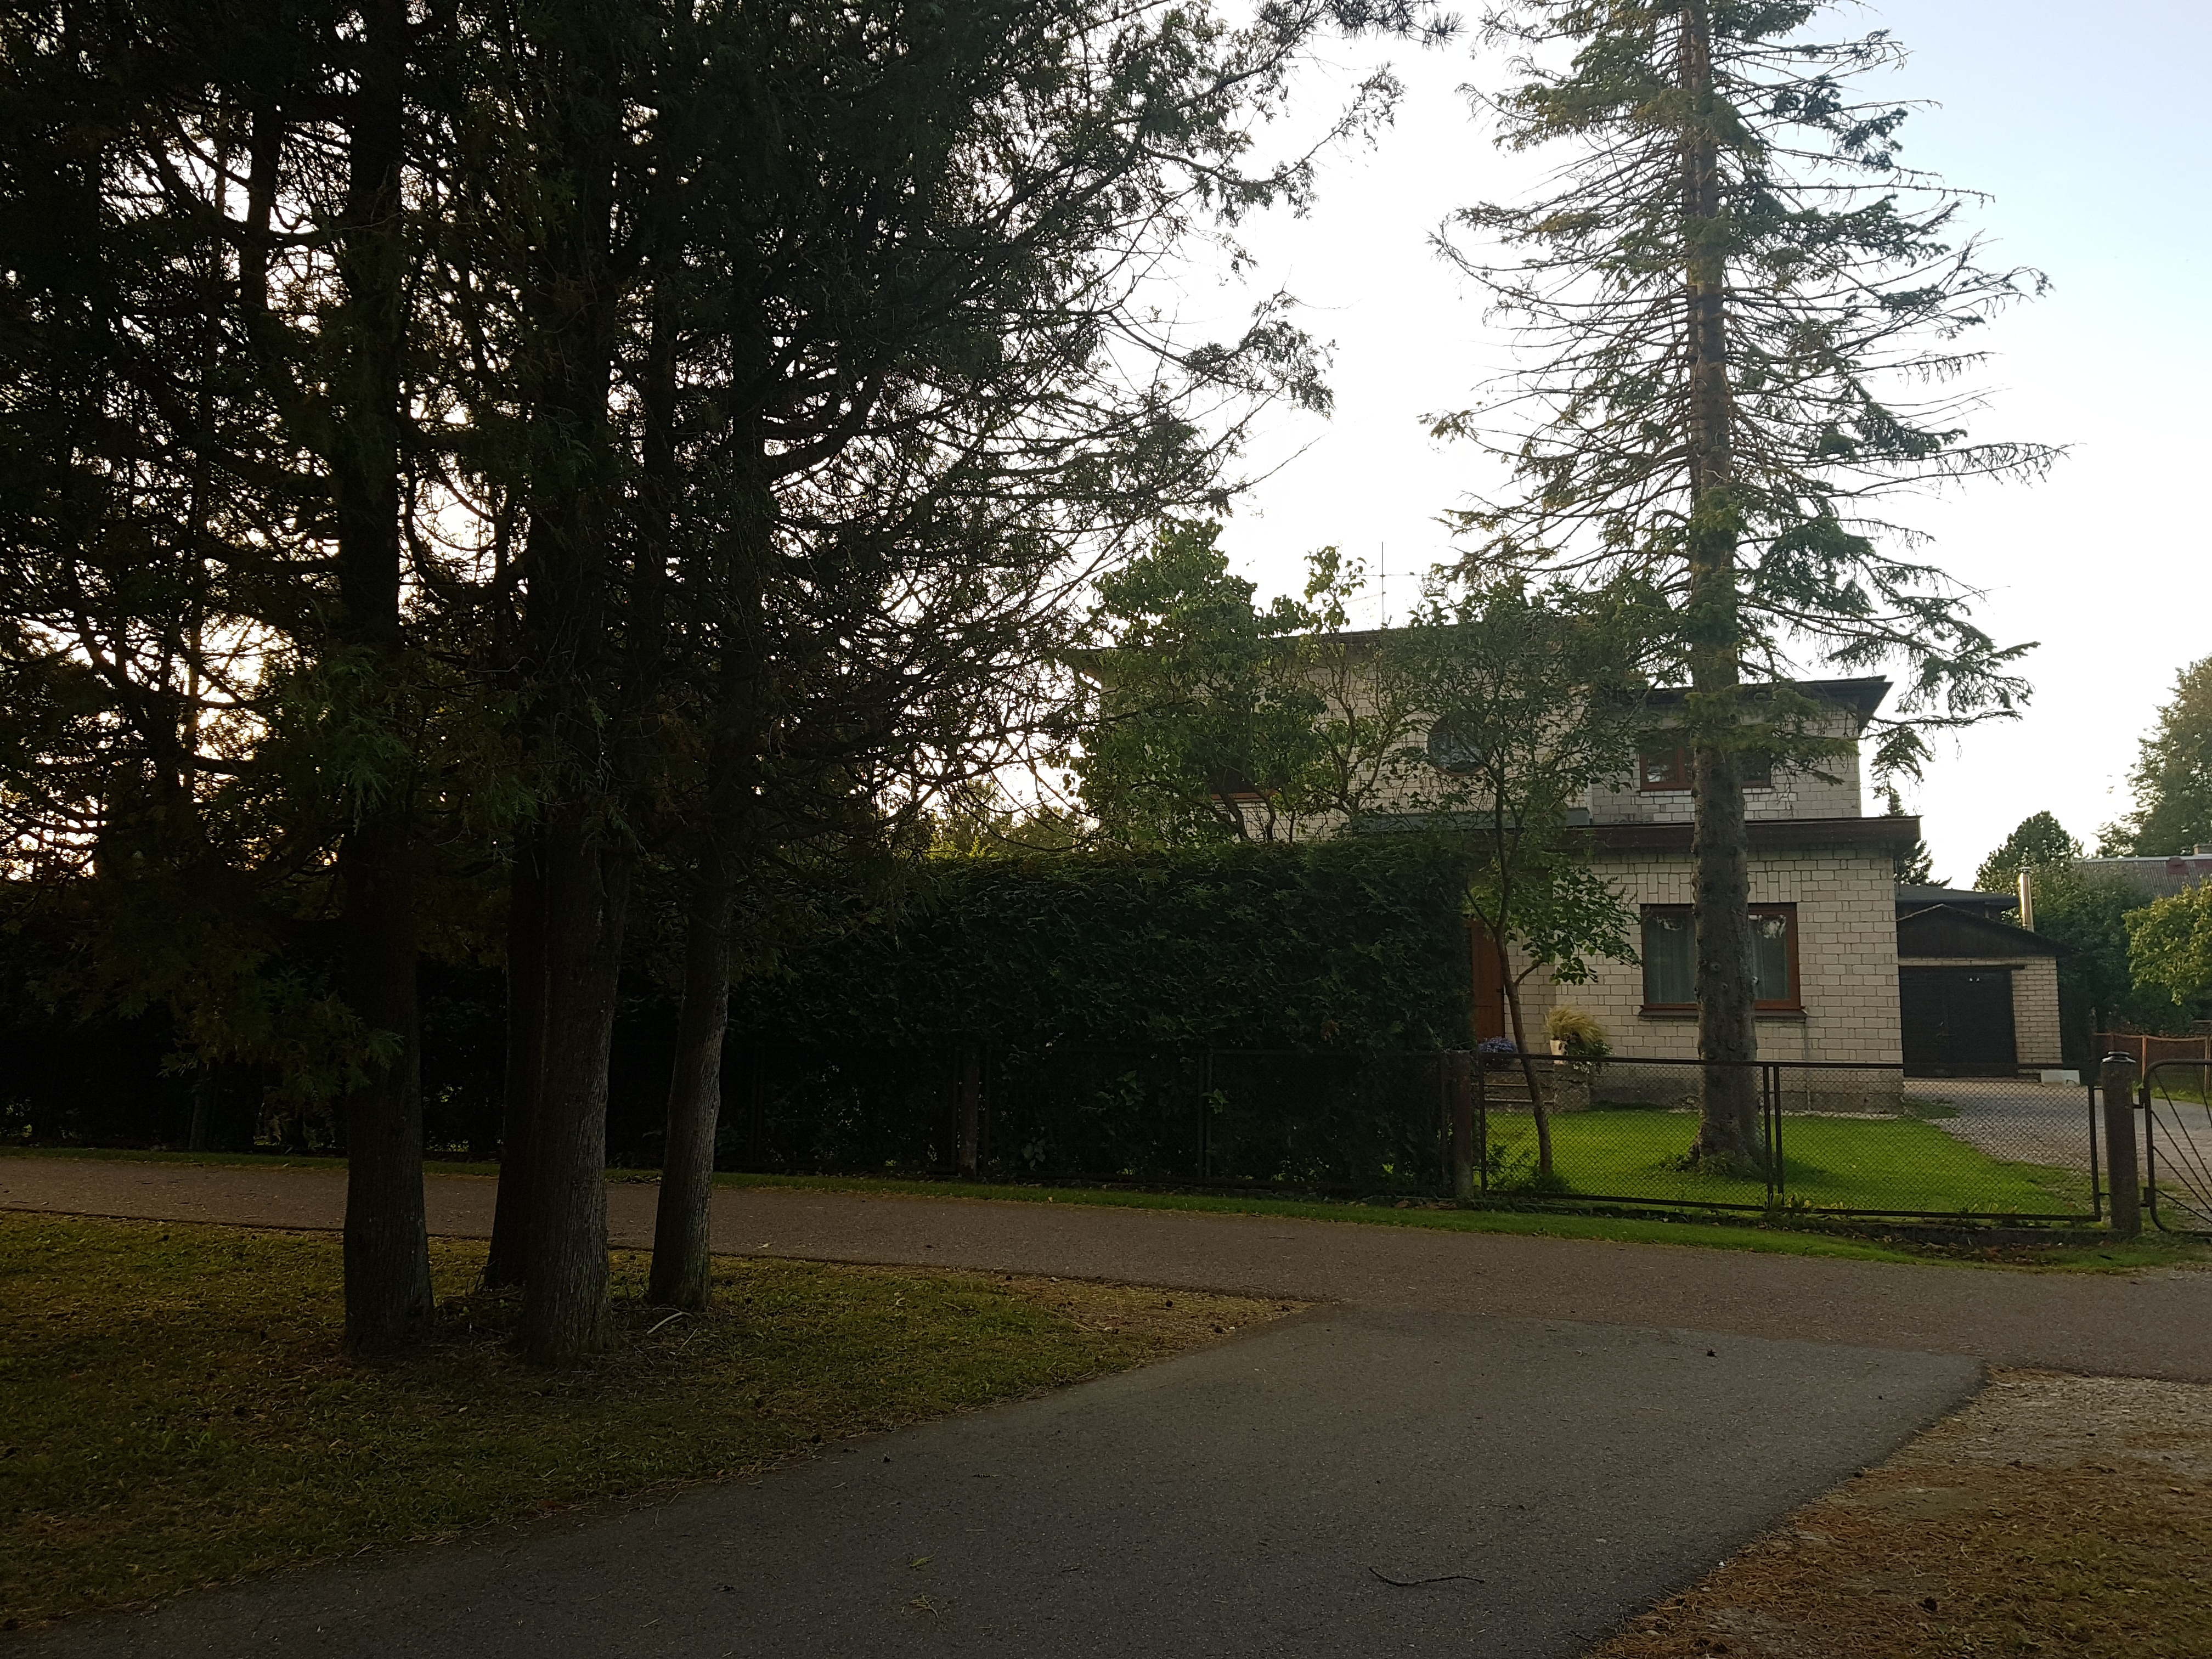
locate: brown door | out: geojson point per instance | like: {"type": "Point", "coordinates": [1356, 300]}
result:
{"type": "Point", "coordinates": [1489, 984]}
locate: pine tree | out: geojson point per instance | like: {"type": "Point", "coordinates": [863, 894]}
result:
{"type": "Point", "coordinates": [871, 282]}
{"type": "Point", "coordinates": [212, 384]}
{"type": "Point", "coordinates": [1916, 866]}
{"type": "Point", "coordinates": [1731, 299]}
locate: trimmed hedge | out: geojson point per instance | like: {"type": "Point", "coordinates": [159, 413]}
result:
{"type": "Point", "coordinates": [1341, 945]}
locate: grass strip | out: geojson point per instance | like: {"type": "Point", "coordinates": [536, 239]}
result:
{"type": "Point", "coordinates": [174, 1411]}
{"type": "Point", "coordinates": [1688, 1228]}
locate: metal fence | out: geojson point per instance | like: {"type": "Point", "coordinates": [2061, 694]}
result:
{"type": "Point", "coordinates": [1834, 1140]}
{"type": "Point", "coordinates": [2177, 1145]}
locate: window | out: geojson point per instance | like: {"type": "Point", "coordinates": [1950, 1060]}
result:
{"type": "Point", "coordinates": [1670, 956]}
{"type": "Point", "coordinates": [1665, 764]}
{"type": "Point", "coordinates": [1451, 749]}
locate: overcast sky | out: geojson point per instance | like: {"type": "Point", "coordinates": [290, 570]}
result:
{"type": "Point", "coordinates": [2089, 128]}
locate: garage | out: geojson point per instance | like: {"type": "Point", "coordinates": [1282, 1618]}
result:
{"type": "Point", "coordinates": [1977, 997]}
{"type": "Point", "coordinates": [1957, 1022]}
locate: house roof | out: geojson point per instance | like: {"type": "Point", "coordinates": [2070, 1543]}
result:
{"type": "Point", "coordinates": [1861, 696]}
{"type": "Point", "coordinates": [1944, 930]}
{"type": "Point", "coordinates": [1894, 835]}
{"type": "Point", "coordinates": [1919, 898]}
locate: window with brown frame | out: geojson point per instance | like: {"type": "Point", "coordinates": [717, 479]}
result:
{"type": "Point", "coordinates": [1670, 958]}
{"type": "Point", "coordinates": [1663, 765]}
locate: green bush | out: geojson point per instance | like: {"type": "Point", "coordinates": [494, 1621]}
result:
{"type": "Point", "coordinates": [1578, 1033]}
{"type": "Point", "coordinates": [1344, 945]}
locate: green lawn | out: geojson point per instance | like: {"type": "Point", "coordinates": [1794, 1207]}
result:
{"type": "Point", "coordinates": [174, 1410]}
{"type": "Point", "coordinates": [1894, 1164]}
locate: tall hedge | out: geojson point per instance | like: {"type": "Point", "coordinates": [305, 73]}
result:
{"type": "Point", "coordinates": [1339, 944]}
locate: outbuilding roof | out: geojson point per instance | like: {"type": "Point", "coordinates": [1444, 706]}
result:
{"type": "Point", "coordinates": [1946, 930]}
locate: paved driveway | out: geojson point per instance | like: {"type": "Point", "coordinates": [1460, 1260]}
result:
{"type": "Point", "coordinates": [1547, 1480]}
{"type": "Point", "coordinates": [2019, 1121]}
{"type": "Point", "coordinates": [2148, 1324]}
{"type": "Point", "coordinates": [1552, 1433]}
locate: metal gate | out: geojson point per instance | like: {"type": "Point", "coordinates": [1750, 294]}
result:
{"type": "Point", "coordinates": [2177, 1105]}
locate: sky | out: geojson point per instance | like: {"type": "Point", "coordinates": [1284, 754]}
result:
{"type": "Point", "coordinates": [2088, 130]}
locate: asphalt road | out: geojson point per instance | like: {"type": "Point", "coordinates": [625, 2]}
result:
{"type": "Point", "coordinates": [1554, 1433]}
{"type": "Point", "coordinates": [2149, 1324]}
{"type": "Point", "coordinates": [1249, 1499]}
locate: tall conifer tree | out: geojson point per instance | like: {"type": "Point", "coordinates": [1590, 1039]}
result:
{"type": "Point", "coordinates": [1744, 317]}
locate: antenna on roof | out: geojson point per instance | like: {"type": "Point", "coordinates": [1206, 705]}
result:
{"type": "Point", "coordinates": [1382, 604]}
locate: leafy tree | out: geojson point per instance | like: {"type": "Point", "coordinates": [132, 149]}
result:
{"type": "Point", "coordinates": [2087, 913]}
{"type": "Point", "coordinates": [1527, 701]}
{"type": "Point", "coordinates": [1198, 726]}
{"type": "Point", "coordinates": [2170, 946]}
{"type": "Point", "coordinates": [2040, 844]}
{"type": "Point", "coordinates": [2090, 913]}
{"type": "Point", "coordinates": [1733, 300]}
{"type": "Point", "coordinates": [2172, 778]}
{"type": "Point", "coordinates": [1484, 722]}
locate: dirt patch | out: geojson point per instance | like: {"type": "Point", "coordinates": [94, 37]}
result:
{"type": "Point", "coordinates": [2054, 1514]}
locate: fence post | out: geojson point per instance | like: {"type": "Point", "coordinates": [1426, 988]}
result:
{"type": "Point", "coordinates": [1462, 1121]}
{"type": "Point", "coordinates": [2116, 1080]}
{"type": "Point", "coordinates": [971, 1110]}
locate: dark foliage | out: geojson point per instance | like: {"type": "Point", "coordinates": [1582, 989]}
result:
{"type": "Point", "coordinates": [1341, 945]}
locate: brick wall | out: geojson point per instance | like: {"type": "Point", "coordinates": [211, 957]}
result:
{"type": "Point", "coordinates": [1846, 958]}
{"type": "Point", "coordinates": [1794, 795]}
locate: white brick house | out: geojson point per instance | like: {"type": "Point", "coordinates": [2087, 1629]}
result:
{"type": "Point", "coordinates": [1823, 892]}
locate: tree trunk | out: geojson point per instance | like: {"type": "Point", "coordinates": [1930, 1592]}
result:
{"type": "Point", "coordinates": [387, 1261]}
{"type": "Point", "coordinates": [1727, 1036]}
{"type": "Point", "coordinates": [565, 1305]}
{"type": "Point", "coordinates": [680, 1240]}
{"type": "Point", "coordinates": [1537, 1104]}
{"type": "Point", "coordinates": [580, 721]}
{"type": "Point", "coordinates": [506, 1264]}
{"type": "Point", "coordinates": [388, 1242]}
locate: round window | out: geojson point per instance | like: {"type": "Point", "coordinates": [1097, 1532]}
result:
{"type": "Point", "coordinates": [1450, 748]}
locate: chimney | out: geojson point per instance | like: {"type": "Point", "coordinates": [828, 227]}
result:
{"type": "Point", "coordinates": [2028, 900]}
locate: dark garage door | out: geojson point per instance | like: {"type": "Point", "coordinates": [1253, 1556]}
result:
{"type": "Point", "coordinates": [1957, 1021]}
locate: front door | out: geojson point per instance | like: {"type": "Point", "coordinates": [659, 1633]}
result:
{"type": "Point", "coordinates": [1490, 1020]}
{"type": "Point", "coordinates": [1957, 1022]}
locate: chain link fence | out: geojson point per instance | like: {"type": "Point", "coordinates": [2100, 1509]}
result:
{"type": "Point", "coordinates": [1835, 1140]}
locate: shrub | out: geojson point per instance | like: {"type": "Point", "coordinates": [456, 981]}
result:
{"type": "Point", "coordinates": [1578, 1033]}
{"type": "Point", "coordinates": [1344, 945]}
